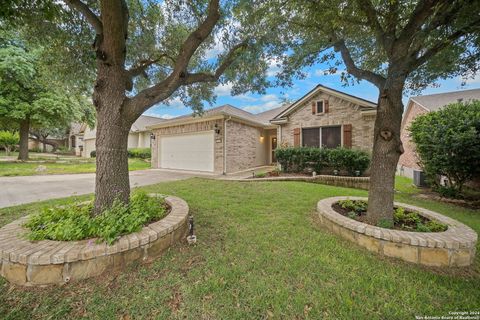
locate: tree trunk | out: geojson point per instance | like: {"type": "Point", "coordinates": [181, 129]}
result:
{"type": "Point", "coordinates": [24, 133]}
{"type": "Point", "coordinates": [387, 148]}
{"type": "Point", "coordinates": [112, 180]}
{"type": "Point", "coordinates": [44, 145]}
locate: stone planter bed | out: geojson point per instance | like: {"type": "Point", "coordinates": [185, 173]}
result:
{"type": "Point", "coordinates": [337, 181]}
{"type": "Point", "coordinates": [454, 247]}
{"type": "Point", "coordinates": [47, 262]}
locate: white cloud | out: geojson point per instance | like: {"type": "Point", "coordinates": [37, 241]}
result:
{"type": "Point", "coordinates": [223, 89]}
{"type": "Point", "coordinates": [273, 67]}
{"type": "Point", "coordinates": [270, 101]}
{"type": "Point", "coordinates": [167, 116]}
{"type": "Point", "coordinates": [470, 80]}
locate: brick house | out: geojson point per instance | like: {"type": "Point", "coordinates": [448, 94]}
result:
{"type": "Point", "coordinates": [421, 105]}
{"type": "Point", "coordinates": [227, 139]}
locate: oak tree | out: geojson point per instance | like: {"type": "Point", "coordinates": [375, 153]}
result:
{"type": "Point", "coordinates": [396, 45]}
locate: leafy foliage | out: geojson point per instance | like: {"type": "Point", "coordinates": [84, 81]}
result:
{"type": "Point", "coordinates": [402, 219]}
{"type": "Point", "coordinates": [448, 143]}
{"type": "Point", "coordinates": [75, 222]}
{"type": "Point", "coordinates": [300, 158]}
{"type": "Point", "coordinates": [8, 140]}
{"type": "Point", "coordinates": [142, 153]}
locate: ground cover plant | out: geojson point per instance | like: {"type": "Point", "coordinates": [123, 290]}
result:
{"type": "Point", "coordinates": [75, 221]}
{"type": "Point", "coordinates": [402, 219]}
{"type": "Point", "coordinates": [259, 255]}
{"type": "Point", "coordinates": [52, 166]}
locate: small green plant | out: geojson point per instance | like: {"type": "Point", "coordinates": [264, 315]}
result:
{"type": "Point", "coordinates": [352, 215]}
{"type": "Point", "coordinates": [358, 206]}
{"type": "Point", "coordinates": [260, 175]}
{"type": "Point", "coordinates": [385, 223]}
{"type": "Point", "coordinates": [447, 191]}
{"type": "Point", "coordinates": [75, 221]}
{"type": "Point", "coordinates": [93, 153]}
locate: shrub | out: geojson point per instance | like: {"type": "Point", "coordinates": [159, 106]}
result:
{"type": "Point", "coordinates": [448, 143]}
{"type": "Point", "coordinates": [260, 175]}
{"type": "Point", "coordinates": [74, 221]}
{"type": "Point", "coordinates": [142, 153]}
{"type": "Point", "coordinates": [299, 159]}
{"type": "Point", "coordinates": [8, 140]}
{"type": "Point", "coordinates": [93, 153]}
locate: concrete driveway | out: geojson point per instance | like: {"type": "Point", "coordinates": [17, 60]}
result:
{"type": "Point", "coordinates": [20, 190]}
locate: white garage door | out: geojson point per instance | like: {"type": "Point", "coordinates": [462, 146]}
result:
{"type": "Point", "coordinates": [187, 152]}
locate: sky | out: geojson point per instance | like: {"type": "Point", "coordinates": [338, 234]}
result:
{"type": "Point", "coordinates": [274, 96]}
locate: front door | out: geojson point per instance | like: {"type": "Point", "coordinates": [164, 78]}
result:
{"type": "Point", "coordinates": [274, 146]}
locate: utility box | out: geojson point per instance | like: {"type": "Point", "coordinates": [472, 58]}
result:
{"type": "Point", "coordinates": [419, 179]}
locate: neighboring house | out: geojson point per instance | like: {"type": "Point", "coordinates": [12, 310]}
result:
{"type": "Point", "coordinates": [420, 105]}
{"type": "Point", "coordinates": [139, 136]}
{"type": "Point", "coordinates": [75, 137]}
{"type": "Point", "coordinates": [227, 139]}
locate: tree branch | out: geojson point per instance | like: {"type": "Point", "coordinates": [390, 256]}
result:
{"type": "Point", "coordinates": [144, 64]}
{"type": "Point", "coordinates": [162, 90]}
{"type": "Point", "coordinates": [443, 44]}
{"type": "Point", "coordinates": [372, 17]}
{"type": "Point", "coordinates": [421, 12]}
{"type": "Point", "coordinates": [376, 79]}
{"type": "Point", "coordinates": [210, 77]}
{"type": "Point", "coordinates": [87, 13]}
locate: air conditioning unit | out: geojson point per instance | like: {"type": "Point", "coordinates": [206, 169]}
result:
{"type": "Point", "coordinates": [419, 178]}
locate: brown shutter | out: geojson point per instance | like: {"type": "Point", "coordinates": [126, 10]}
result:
{"type": "Point", "coordinates": [296, 137]}
{"type": "Point", "coordinates": [314, 107]}
{"type": "Point", "coordinates": [347, 135]}
{"type": "Point", "coordinates": [325, 106]}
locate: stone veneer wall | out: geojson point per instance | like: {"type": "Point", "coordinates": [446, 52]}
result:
{"type": "Point", "coordinates": [340, 112]}
{"type": "Point", "coordinates": [454, 247]}
{"type": "Point", "coordinates": [47, 262]}
{"type": "Point", "coordinates": [245, 147]}
{"type": "Point", "coordinates": [192, 128]}
{"type": "Point", "coordinates": [338, 181]}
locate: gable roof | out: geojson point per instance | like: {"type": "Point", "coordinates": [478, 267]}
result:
{"type": "Point", "coordinates": [366, 104]}
{"type": "Point", "coordinates": [143, 122]}
{"type": "Point", "coordinates": [260, 119]}
{"type": "Point", "coordinates": [434, 102]}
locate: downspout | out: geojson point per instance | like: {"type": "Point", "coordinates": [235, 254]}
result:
{"type": "Point", "coordinates": [225, 144]}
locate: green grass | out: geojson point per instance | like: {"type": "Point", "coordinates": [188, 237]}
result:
{"type": "Point", "coordinates": [76, 165]}
{"type": "Point", "coordinates": [259, 255]}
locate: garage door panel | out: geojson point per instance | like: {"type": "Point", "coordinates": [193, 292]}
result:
{"type": "Point", "coordinates": [188, 152]}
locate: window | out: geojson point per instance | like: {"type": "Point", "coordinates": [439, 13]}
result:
{"type": "Point", "coordinates": [320, 106]}
{"type": "Point", "coordinates": [326, 137]}
{"type": "Point", "coordinates": [311, 137]}
{"type": "Point", "coordinates": [331, 137]}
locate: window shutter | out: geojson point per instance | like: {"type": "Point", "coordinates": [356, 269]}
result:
{"type": "Point", "coordinates": [314, 107]}
{"type": "Point", "coordinates": [325, 106]}
{"type": "Point", "coordinates": [296, 137]}
{"type": "Point", "coordinates": [347, 135]}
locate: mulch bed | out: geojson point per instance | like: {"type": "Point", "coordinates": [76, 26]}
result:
{"type": "Point", "coordinates": [362, 217]}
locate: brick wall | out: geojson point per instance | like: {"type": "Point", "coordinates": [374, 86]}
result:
{"type": "Point", "coordinates": [245, 147]}
{"type": "Point", "coordinates": [340, 112]}
{"type": "Point", "coordinates": [409, 158]}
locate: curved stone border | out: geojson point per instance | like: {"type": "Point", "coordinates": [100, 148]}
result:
{"type": "Point", "coordinates": [46, 262]}
{"type": "Point", "coordinates": [453, 247]}
{"type": "Point", "coordinates": [337, 181]}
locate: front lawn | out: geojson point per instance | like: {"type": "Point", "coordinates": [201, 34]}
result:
{"type": "Point", "coordinates": [259, 255]}
{"type": "Point", "coordinates": [62, 166]}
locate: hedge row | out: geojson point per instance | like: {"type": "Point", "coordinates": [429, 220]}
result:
{"type": "Point", "coordinates": [142, 153]}
{"type": "Point", "coordinates": [316, 159]}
